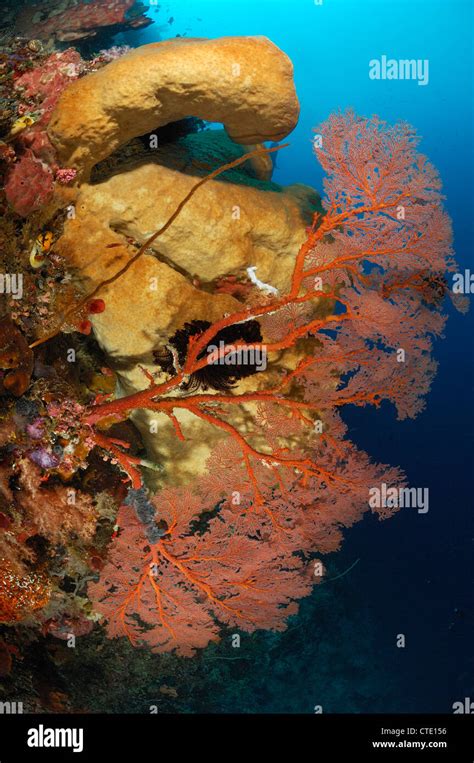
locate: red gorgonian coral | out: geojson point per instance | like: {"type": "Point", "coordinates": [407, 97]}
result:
{"type": "Point", "coordinates": [359, 317]}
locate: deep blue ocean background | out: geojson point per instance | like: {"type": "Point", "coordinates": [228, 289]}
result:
{"type": "Point", "coordinates": [415, 572]}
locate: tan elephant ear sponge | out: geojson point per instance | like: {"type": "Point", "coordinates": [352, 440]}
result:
{"type": "Point", "coordinates": [246, 83]}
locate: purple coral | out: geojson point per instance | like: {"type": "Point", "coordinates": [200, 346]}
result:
{"type": "Point", "coordinates": [44, 458]}
{"type": "Point", "coordinates": [36, 429]}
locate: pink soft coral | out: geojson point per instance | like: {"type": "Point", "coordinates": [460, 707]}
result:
{"type": "Point", "coordinates": [65, 175]}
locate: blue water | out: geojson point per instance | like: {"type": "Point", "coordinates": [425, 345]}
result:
{"type": "Point", "coordinates": [415, 574]}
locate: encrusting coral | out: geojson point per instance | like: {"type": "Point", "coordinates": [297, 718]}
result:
{"type": "Point", "coordinates": [29, 182]}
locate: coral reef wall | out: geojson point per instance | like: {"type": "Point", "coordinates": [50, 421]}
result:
{"type": "Point", "coordinates": [179, 335]}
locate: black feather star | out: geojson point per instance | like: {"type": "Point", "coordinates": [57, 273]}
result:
{"type": "Point", "coordinates": [218, 376]}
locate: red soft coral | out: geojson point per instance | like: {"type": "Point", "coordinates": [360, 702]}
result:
{"type": "Point", "coordinates": [29, 185]}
